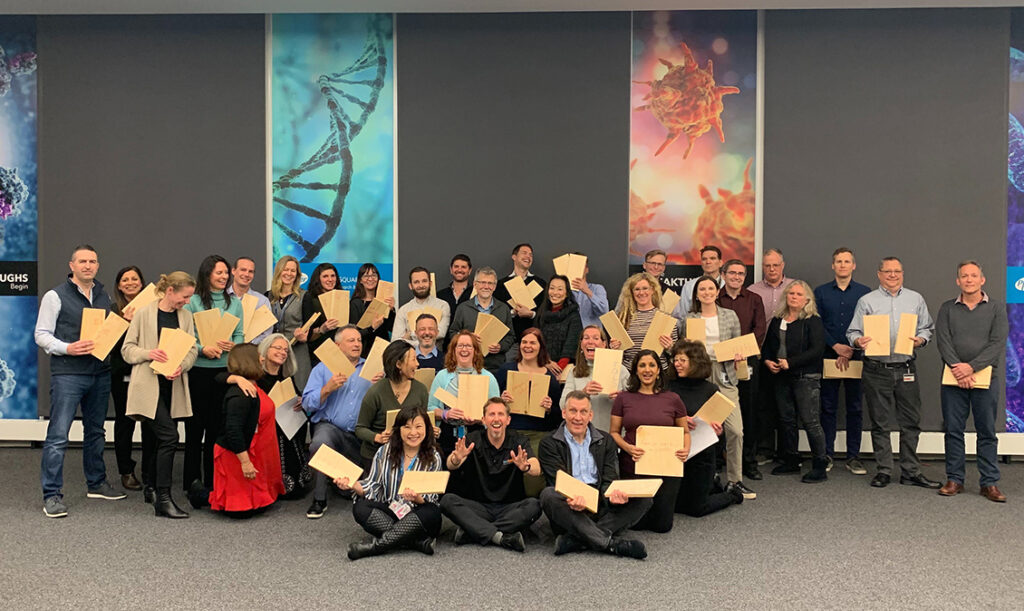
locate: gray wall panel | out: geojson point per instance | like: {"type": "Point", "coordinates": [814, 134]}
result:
{"type": "Point", "coordinates": [151, 143]}
{"type": "Point", "coordinates": [885, 131]}
{"type": "Point", "coordinates": [513, 128]}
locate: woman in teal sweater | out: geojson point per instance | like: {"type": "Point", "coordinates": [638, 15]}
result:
{"type": "Point", "coordinates": [206, 393]}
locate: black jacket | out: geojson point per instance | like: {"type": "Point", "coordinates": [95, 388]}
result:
{"type": "Point", "coordinates": [554, 456]}
{"type": "Point", "coordinates": [805, 345]}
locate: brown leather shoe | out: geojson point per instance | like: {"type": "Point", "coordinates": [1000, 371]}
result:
{"type": "Point", "coordinates": [951, 488]}
{"type": "Point", "coordinates": [129, 482]}
{"type": "Point", "coordinates": [992, 493]}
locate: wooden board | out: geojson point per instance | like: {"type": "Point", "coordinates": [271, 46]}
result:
{"type": "Point", "coordinates": [249, 303]}
{"type": "Point", "coordinates": [145, 297]}
{"type": "Point", "coordinates": [615, 330]}
{"type": "Point", "coordinates": [607, 369]}
{"type": "Point", "coordinates": [832, 372]}
{"type": "Point", "coordinates": [661, 325]}
{"type": "Point", "coordinates": [226, 327]}
{"type": "Point", "coordinates": [261, 320]}
{"type": "Point", "coordinates": [519, 293]}
{"type": "Point", "coordinates": [635, 488]}
{"type": "Point", "coordinates": [176, 344]}
{"type": "Point", "coordinates": [715, 409]}
{"type": "Point", "coordinates": [490, 329]}
{"type": "Point", "coordinates": [669, 301]}
{"type": "Point", "coordinates": [876, 326]}
{"type": "Point", "coordinates": [110, 332]}
{"type": "Point", "coordinates": [905, 335]}
{"type": "Point", "coordinates": [206, 326]}
{"type": "Point", "coordinates": [331, 356]}
{"type": "Point", "coordinates": [92, 320]}
{"type": "Point", "coordinates": [376, 309]}
{"type": "Point", "coordinates": [425, 482]}
{"type": "Point", "coordinates": [742, 371]}
{"type": "Point", "coordinates": [472, 395]}
{"type": "Point", "coordinates": [385, 290]}
{"type": "Point", "coordinates": [517, 384]}
{"type": "Point", "coordinates": [426, 375]}
{"type": "Point", "coordinates": [659, 444]}
{"type": "Point", "coordinates": [375, 360]}
{"type": "Point", "coordinates": [696, 329]}
{"type": "Point", "coordinates": [334, 465]}
{"type": "Point", "coordinates": [570, 487]}
{"type": "Point", "coordinates": [305, 327]}
{"type": "Point", "coordinates": [745, 345]}
{"type": "Point", "coordinates": [982, 378]}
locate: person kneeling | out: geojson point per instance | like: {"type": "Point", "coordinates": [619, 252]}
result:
{"type": "Point", "coordinates": [492, 506]}
{"type": "Point", "coordinates": [397, 518]}
{"type": "Point", "coordinates": [589, 455]}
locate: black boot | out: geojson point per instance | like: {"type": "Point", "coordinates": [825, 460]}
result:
{"type": "Point", "coordinates": [407, 532]}
{"type": "Point", "coordinates": [817, 473]}
{"type": "Point", "coordinates": [198, 495]}
{"type": "Point", "coordinates": [149, 495]}
{"type": "Point", "coordinates": [789, 464]}
{"type": "Point", "coordinates": [165, 506]}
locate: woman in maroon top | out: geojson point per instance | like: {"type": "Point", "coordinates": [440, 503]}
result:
{"type": "Point", "coordinates": [646, 402]}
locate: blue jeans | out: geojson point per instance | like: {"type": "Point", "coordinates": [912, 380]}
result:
{"type": "Point", "coordinates": [854, 415]}
{"type": "Point", "coordinates": [67, 391]}
{"type": "Point", "coordinates": [956, 404]}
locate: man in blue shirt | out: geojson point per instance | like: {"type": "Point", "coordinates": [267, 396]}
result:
{"type": "Point", "coordinates": [836, 301]}
{"type": "Point", "coordinates": [590, 456]}
{"type": "Point", "coordinates": [890, 383]}
{"type": "Point", "coordinates": [242, 275]}
{"type": "Point", "coordinates": [592, 298]}
{"type": "Point", "coordinates": [332, 402]}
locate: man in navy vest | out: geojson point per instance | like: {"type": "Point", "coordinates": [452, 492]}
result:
{"type": "Point", "coordinates": [76, 377]}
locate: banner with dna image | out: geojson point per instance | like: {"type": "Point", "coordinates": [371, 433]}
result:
{"type": "Point", "coordinates": [18, 218]}
{"type": "Point", "coordinates": [332, 130]}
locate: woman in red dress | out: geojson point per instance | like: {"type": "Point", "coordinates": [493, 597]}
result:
{"type": "Point", "coordinates": [246, 460]}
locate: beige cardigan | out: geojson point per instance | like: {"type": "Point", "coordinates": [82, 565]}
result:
{"type": "Point", "coordinates": [144, 388]}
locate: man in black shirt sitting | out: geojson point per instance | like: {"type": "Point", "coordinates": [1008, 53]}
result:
{"type": "Point", "coordinates": [491, 506]}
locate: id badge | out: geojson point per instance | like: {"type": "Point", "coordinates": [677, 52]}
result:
{"type": "Point", "coordinates": [399, 508]}
{"type": "Point", "coordinates": [908, 378]}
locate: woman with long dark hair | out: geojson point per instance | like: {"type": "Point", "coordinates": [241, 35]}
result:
{"type": "Point", "coordinates": [324, 279]}
{"type": "Point", "coordinates": [203, 428]}
{"type": "Point", "coordinates": [397, 518]}
{"type": "Point", "coordinates": [646, 403]}
{"type": "Point", "coordinates": [581, 377]}
{"type": "Point", "coordinates": [367, 281]}
{"type": "Point", "coordinates": [558, 319]}
{"type": "Point", "coordinates": [397, 389]}
{"type": "Point", "coordinates": [128, 283]}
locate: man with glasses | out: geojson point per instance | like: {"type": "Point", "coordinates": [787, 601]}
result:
{"type": "Point", "coordinates": [485, 281]}
{"type": "Point", "coordinates": [750, 310]}
{"type": "Point", "coordinates": [891, 391]}
{"type": "Point", "coordinates": [654, 264]}
{"type": "Point", "coordinates": [711, 265]}
{"type": "Point", "coordinates": [770, 289]}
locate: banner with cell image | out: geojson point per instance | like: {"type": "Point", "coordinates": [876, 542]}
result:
{"type": "Point", "coordinates": [332, 131]}
{"type": "Point", "coordinates": [18, 218]}
{"type": "Point", "coordinates": [692, 137]}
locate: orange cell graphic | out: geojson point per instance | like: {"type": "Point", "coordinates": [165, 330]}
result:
{"type": "Point", "coordinates": [686, 101]}
{"type": "Point", "coordinates": [728, 222]}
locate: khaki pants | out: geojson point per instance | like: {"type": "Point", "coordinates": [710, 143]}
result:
{"type": "Point", "coordinates": [733, 429]}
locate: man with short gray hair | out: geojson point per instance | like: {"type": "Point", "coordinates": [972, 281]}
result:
{"type": "Point", "coordinates": [484, 282]}
{"type": "Point", "coordinates": [971, 332]}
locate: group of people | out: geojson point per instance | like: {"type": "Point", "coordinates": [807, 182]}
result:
{"type": "Point", "coordinates": [503, 465]}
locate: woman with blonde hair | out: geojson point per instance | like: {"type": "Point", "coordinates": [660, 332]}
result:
{"type": "Point", "coordinates": [158, 400]}
{"type": "Point", "coordinates": [639, 300]}
{"type": "Point", "coordinates": [793, 350]}
{"type": "Point", "coordinates": [286, 303]}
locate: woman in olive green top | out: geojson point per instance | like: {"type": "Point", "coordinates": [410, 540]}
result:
{"type": "Point", "coordinates": [396, 390]}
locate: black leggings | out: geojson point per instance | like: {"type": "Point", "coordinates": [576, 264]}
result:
{"type": "Point", "coordinates": [158, 461]}
{"type": "Point", "coordinates": [429, 515]}
{"type": "Point", "coordinates": [203, 428]}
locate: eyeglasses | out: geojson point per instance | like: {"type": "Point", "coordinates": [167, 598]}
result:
{"type": "Point", "coordinates": [891, 272]}
{"type": "Point", "coordinates": [654, 264]}
{"type": "Point", "coordinates": [371, 275]}
{"type": "Point", "coordinates": [485, 283]}
{"type": "Point", "coordinates": [735, 273]}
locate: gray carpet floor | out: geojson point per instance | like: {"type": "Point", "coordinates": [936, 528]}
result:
{"type": "Point", "coordinates": [837, 545]}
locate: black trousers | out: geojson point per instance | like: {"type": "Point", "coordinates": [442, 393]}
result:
{"type": "Point", "coordinates": [696, 496]}
{"type": "Point", "coordinates": [748, 402]}
{"type": "Point", "coordinates": [429, 515]}
{"type": "Point", "coordinates": [482, 520]}
{"type": "Point", "coordinates": [124, 427]}
{"type": "Point", "coordinates": [593, 530]}
{"type": "Point", "coordinates": [203, 428]}
{"type": "Point", "coordinates": [158, 462]}
{"type": "Point", "coordinates": [663, 509]}
{"type": "Point", "coordinates": [767, 415]}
